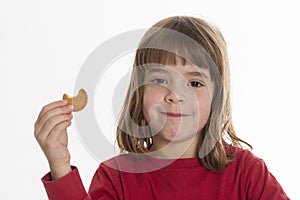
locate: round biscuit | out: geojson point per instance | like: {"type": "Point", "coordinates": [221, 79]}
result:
{"type": "Point", "coordinates": [79, 101]}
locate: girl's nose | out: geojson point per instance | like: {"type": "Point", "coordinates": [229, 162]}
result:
{"type": "Point", "coordinates": [171, 97]}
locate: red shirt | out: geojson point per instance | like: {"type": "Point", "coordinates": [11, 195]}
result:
{"type": "Point", "coordinates": [246, 177]}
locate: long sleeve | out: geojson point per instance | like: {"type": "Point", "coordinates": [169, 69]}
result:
{"type": "Point", "coordinates": [68, 187]}
{"type": "Point", "coordinates": [71, 187]}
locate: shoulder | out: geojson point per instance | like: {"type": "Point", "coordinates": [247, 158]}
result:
{"type": "Point", "coordinates": [250, 165]}
{"type": "Point", "coordinates": [123, 163]}
{"type": "Point", "coordinates": [109, 171]}
{"type": "Point", "coordinates": [245, 162]}
{"type": "Point", "coordinates": [255, 178]}
{"type": "Point", "coordinates": [242, 156]}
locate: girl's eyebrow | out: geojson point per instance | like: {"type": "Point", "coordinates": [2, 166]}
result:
{"type": "Point", "coordinates": [158, 69]}
{"type": "Point", "coordinates": [196, 73]}
{"type": "Point", "coordinates": [191, 73]}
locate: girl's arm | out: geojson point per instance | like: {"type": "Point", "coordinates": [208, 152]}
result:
{"type": "Point", "coordinates": [67, 187]}
{"type": "Point", "coordinates": [70, 186]}
{"type": "Point", "coordinates": [64, 182]}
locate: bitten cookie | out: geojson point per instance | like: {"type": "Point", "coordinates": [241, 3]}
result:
{"type": "Point", "coordinates": [79, 101]}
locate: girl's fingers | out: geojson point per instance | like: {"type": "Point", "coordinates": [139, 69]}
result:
{"type": "Point", "coordinates": [51, 113]}
{"type": "Point", "coordinates": [51, 106]}
{"type": "Point", "coordinates": [57, 131]}
{"type": "Point", "coordinates": [50, 124]}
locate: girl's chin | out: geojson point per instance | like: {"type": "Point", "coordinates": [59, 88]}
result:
{"type": "Point", "coordinates": [174, 137]}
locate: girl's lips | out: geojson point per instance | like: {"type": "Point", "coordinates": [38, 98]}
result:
{"type": "Point", "coordinates": [174, 115]}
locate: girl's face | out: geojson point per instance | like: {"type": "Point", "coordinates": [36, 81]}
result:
{"type": "Point", "coordinates": [177, 101]}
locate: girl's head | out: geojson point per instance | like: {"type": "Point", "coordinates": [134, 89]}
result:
{"type": "Point", "coordinates": [180, 86]}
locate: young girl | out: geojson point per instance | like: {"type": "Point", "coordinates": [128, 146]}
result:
{"type": "Point", "coordinates": [175, 130]}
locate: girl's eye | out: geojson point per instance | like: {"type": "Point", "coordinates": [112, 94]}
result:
{"type": "Point", "coordinates": [159, 81]}
{"type": "Point", "coordinates": [195, 84]}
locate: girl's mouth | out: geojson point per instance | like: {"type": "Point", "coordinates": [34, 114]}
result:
{"type": "Point", "coordinates": [174, 115]}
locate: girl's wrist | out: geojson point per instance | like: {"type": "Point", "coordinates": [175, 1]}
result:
{"type": "Point", "coordinates": [59, 172]}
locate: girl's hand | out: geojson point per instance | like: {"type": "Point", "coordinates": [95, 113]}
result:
{"type": "Point", "coordinates": [50, 130]}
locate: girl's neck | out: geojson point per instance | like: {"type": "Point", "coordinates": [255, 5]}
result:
{"type": "Point", "coordinates": [175, 150]}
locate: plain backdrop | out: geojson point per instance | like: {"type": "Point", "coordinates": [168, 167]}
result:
{"type": "Point", "coordinates": [43, 45]}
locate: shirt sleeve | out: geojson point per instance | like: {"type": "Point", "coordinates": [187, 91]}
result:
{"type": "Point", "coordinates": [260, 183]}
{"type": "Point", "coordinates": [70, 186]}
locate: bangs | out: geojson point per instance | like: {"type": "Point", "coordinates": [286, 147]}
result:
{"type": "Point", "coordinates": [159, 56]}
{"type": "Point", "coordinates": [169, 47]}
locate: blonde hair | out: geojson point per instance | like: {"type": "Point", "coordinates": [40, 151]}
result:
{"type": "Point", "coordinates": [211, 54]}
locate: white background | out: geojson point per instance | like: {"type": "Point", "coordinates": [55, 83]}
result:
{"type": "Point", "coordinates": [44, 43]}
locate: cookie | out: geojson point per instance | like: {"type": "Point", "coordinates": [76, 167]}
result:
{"type": "Point", "coordinates": [79, 101]}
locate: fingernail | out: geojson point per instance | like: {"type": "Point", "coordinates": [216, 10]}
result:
{"type": "Point", "coordinates": [70, 107]}
{"type": "Point", "coordinates": [64, 101]}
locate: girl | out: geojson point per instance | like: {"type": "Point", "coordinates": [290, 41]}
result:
{"type": "Point", "coordinates": [175, 130]}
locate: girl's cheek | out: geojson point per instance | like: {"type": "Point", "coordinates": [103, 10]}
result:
{"type": "Point", "coordinates": [152, 102]}
{"type": "Point", "coordinates": [152, 95]}
{"type": "Point", "coordinates": [148, 101]}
